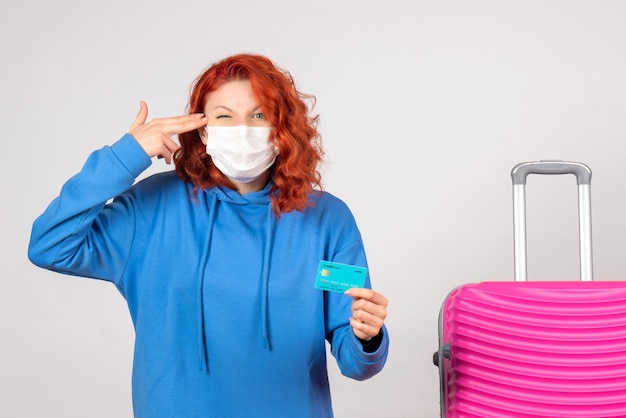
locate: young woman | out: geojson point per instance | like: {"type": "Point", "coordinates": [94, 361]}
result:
{"type": "Point", "coordinates": [218, 259]}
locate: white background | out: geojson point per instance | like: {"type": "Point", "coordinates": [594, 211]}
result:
{"type": "Point", "coordinates": [425, 108]}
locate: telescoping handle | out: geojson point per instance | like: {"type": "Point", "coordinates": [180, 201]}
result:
{"type": "Point", "coordinates": [583, 177]}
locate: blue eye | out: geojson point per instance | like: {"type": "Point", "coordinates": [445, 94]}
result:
{"type": "Point", "coordinates": [258, 116]}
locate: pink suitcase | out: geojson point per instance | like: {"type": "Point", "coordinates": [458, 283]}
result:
{"type": "Point", "coordinates": [535, 349]}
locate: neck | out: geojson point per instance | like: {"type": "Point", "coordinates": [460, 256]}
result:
{"type": "Point", "coordinates": [254, 186]}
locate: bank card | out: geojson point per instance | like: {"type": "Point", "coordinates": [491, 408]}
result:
{"type": "Point", "coordinates": [338, 277]}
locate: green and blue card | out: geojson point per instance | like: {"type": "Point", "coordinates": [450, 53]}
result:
{"type": "Point", "coordinates": [337, 277]}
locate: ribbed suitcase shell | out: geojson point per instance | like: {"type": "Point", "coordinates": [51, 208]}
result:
{"type": "Point", "coordinates": [535, 349]}
{"type": "Point", "coordinates": [519, 349]}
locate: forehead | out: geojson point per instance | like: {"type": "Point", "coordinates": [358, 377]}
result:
{"type": "Point", "coordinates": [235, 94]}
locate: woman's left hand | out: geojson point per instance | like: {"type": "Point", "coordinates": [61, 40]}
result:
{"type": "Point", "coordinates": [369, 310]}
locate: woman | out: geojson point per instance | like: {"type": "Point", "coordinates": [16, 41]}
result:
{"type": "Point", "coordinates": [217, 259]}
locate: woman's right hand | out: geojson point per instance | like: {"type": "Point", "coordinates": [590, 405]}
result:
{"type": "Point", "coordinates": [155, 137]}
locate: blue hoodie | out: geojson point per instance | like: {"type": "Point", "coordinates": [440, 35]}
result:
{"type": "Point", "coordinates": [220, 291]}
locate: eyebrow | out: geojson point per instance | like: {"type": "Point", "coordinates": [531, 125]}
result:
{"type": "Point", "coordinates": [255, 109]}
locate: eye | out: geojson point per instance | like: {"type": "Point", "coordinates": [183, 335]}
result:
{"type": "Point", "coordinates": [258, 116]}
{"type": "Point", "coordinates": [222, 116]}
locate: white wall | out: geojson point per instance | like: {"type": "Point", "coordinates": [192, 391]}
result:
{"type": "Point", "coordinates": [425, 108]}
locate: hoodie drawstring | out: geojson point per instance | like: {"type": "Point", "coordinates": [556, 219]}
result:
{"type": "Point", "coordinates": [265, 278]}
{"type": "Point", "coordinates": [202, 349]}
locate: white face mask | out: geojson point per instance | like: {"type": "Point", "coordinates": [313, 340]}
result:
{"type": "Point", "coordinates": [242, 153]}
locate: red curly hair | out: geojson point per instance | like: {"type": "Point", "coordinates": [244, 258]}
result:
{"type": "Point", "coordinates": [295, 171]}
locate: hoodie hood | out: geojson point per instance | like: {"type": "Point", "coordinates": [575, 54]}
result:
{"type": "Point", "coordinates": [224, 196]}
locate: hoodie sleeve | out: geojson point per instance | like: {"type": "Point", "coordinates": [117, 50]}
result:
{"type": "Point", "coordinates": [79, 233]}
{"type": "Point", "coordinates": [352, 359]}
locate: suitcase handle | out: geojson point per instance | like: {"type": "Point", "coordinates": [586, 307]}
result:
{"type": "Point", "coordinates": [583, 176]}
{"type": "Point", "coordinates": [522, 170]}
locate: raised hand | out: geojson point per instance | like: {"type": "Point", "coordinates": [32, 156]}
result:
{"type": "Point", "coordinates": [155, 137]}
